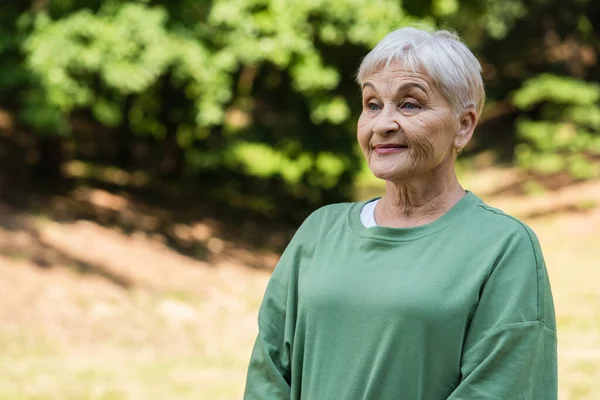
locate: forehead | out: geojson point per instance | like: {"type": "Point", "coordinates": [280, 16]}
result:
{"type": "Point", "coordinates": [396, 74]}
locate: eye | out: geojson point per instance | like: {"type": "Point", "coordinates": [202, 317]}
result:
{"type": "Point", "coordinates": [407, 105]}
{"type": "Point", "coordinates": [373, 106]}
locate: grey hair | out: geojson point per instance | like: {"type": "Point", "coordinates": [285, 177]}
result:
{"type": "Point", "coordinates": [439, 54]}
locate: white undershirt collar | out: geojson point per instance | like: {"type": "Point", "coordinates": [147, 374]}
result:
{"type": "Point", "coordinates": [367, 214]}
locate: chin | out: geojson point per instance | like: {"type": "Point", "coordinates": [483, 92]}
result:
{"type": "Point", "coordinates": [391, 175]}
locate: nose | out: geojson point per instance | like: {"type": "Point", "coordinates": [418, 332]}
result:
{"type": "Point", "coordinates": [386, 123]}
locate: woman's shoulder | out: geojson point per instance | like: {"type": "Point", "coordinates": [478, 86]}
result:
{"type": "Point", "coordinates": [334, 209]}
{"type": "Point", "coordinates": [498, 223]}
{"type": "Point", "coordinates": [327, 215]}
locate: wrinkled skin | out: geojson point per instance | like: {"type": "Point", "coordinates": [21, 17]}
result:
{"type": "Point", "coordinates": [406, 108]}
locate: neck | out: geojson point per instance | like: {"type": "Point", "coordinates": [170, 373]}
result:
{"type": "Point", "coordinates": [418, 201]}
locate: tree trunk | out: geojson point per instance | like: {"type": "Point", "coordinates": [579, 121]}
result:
{"type": "Point", "coordinates": [173, 156]}
{"type": "Point", "coordinates": [51, 157]}
{"type": "Point", "coordinates": [124, 138]}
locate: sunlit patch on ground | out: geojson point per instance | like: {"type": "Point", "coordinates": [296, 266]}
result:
{"type": "Point", "coordinates": [88, 312]}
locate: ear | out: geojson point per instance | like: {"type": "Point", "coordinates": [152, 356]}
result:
{"type": "Point", "coordinates": [467, 120]}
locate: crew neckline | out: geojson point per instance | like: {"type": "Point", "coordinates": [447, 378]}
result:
{"type": "Point", "coordinates": [404, 234]}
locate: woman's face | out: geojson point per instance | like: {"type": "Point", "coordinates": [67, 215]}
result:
{"type": "Point", "coordinates": [407, 128]}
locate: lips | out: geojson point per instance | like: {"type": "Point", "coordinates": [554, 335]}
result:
{"type": "Point", "coordinates": [389, 148]}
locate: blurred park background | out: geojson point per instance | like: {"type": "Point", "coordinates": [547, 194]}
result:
{"type": "Point", "coordinates": [156, 156]}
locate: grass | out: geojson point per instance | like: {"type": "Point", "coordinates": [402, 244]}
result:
{"type": "Point", "coordinates": [116, 378]}
{"type": "Point", "coordinates": [572, 259]}
{"type": "Point", "coordinates": [73, 336]}
{"type": "Point", "coordinates": [107, 364]}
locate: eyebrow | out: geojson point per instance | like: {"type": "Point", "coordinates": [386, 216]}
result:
{"type": "Point", "coordinates": [402, 88]}
{"type": "Point", "coordinates": [369, 84]}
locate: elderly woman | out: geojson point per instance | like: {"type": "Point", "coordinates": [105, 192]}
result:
{"type": "Point", "coordinates": [427, 292]}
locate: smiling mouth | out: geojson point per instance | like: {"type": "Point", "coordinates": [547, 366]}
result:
{"type": "Point", "coordinates": [389, 148]}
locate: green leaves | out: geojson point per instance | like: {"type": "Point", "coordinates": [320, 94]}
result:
{"type": "Point", "coordinates": [556, 89]}
{"type": "Point", "coordinates": [566, 135]}
{"type": "Point", "coordinates": [264, 89]}
{"type": "Point", "coordinates": [127, 49]}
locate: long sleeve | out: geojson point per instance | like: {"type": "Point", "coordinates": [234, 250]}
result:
{"type": "Point", "coordinates": [269, 372]}
{"type": "Point", "coordinates": [269, 369]}
{"type": "Point", "coordinates": [510, 349]}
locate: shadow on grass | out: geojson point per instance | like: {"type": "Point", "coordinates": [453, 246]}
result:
{"type": "Point", "coordinates": [190, 218]}
{"type": "Point", "coordinates": [531, 182]}
{"type": "Point", "coordinates": [564, 208]}
{"type": "Point", "coordinates": [23, 240]}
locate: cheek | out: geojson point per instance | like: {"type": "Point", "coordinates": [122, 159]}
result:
{"type": "Point", "coordinates": [428, 133]}
{"type": "Point", "coordinates": [363, 131]}
{"type": "Point", "coordinates": [419, 137]}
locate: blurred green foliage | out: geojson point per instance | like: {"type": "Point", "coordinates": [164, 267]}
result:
{"type": "Point", "coordinates": [255, 100]}
{"type": "Point", "coordinates": [566, 133]}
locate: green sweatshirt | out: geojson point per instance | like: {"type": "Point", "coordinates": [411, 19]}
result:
{"type": "Point", "coordinates": [460, 308]}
